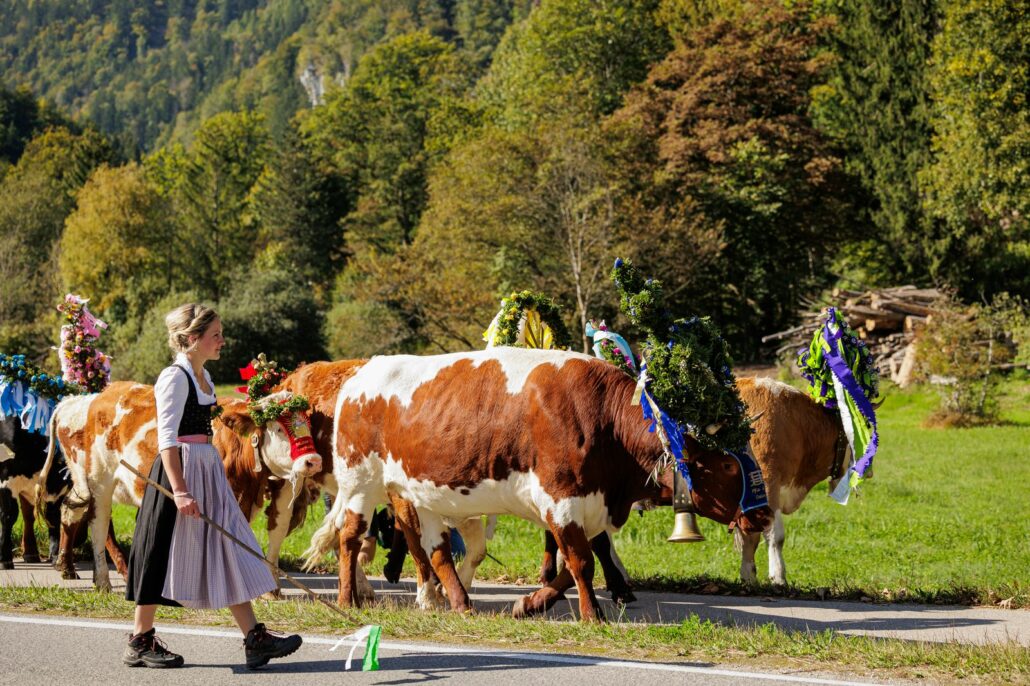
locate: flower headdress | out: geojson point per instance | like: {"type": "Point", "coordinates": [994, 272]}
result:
{"type": "Point", "coordinates": [528, 320]}
{"type": "Point", "coordinates": [81, 362]}
{"type": "Point", "coordinates": [262, 375]}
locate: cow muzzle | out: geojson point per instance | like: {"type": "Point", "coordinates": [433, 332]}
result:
{"type": "Point", "coordinates": [308, 464]}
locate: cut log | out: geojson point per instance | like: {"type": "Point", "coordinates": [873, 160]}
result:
{"type": "Point", "coordinates": [908, 367]}
{"type": "Point", "coordinates": [914, 324]}
{"type": "Point", "coordinates": [903, 307]}
{"type": "Point", "coordinates": [882, 324]}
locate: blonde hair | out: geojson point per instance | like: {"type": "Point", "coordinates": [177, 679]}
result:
{"type": "Point", "coordinates": [185, 321]}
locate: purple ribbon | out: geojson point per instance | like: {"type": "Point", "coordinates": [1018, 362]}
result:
{"type": "Point", "coordinates": [839, 367]}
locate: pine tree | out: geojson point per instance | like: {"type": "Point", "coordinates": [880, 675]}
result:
{"type": "Point", "coordinates": [880, 108]}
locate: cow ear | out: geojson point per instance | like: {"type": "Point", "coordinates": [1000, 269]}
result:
{"type": "Point", "coordinates": [237, 422]}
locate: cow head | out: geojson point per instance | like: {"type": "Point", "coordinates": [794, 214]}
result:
{"type": "Point", "coordinates": [718, 489]}
{"type": "Point", "coordinates": [283, 445]}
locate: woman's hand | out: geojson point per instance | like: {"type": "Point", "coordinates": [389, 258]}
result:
{"type": "Point", "coordinates": [186, 505]}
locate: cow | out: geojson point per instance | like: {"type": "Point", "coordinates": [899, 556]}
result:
{"type": "Point", "coordinates": [22, 455]}
{"type": "Point", "coordinates": [550, 436]}
{"type": "Point", "coordinates": [96, 431]}
{"type": "Point", "coordinates": [798, 444]}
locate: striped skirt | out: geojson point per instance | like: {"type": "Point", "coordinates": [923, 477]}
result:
{"type": "Point", "coordinates": [184, 560]}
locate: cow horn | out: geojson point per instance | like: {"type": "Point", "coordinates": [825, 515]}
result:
{"type": "Point", "coordinates": [755, 418]}
{"type": "Point", "coordinates": [713, 429]}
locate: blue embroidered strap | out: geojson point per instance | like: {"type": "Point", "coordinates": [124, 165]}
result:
{"type": "Point", "coordinates": [754, 494]}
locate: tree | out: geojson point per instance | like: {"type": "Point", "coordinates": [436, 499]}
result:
{"type": "Point", "coordinates": [567, 54]}
{"type": "Point", "coordinates": [269, 312]}
{"type": "Point", "coordinates": [731, 195]}
{"type": "Point", "coordinates": [878, 104]}
{"type": "Point", "coordinates": [377, 131]}
{"type": "Point", "coordinates": [22, 117]}
{"type": "Point", "coordinates": [509, 211]}
{"type": "Point", "coordinates": [299, 205]}
{"type": "Point", "coordinates": [211, 188]}
{"type": "Point", "coordinates": [976, 187]}
{"type": "Point", "coordinates": [35, 197]}
{"type": "Point", "coordinates": [118, 242]}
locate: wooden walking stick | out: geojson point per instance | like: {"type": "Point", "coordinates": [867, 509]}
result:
{"type": "Point", "coordinates": [273, 568]}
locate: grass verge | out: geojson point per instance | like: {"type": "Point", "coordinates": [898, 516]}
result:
{"type": "Point", "coordinates": [693, 640]}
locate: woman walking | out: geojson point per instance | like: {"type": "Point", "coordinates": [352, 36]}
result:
{"type": "Point", "coordinates": [178, 559]}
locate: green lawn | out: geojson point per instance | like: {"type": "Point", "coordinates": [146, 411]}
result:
{"type": "Point", "coordinates": [944, 519]}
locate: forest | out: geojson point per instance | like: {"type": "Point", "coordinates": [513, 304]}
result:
{"type": "Point", "coordinates": [349, 178]}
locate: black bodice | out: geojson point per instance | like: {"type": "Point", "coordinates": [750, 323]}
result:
{"type": "Point", "coordinates": [196, 418]}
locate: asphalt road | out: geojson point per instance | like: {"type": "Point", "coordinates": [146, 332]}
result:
{"type": "Point", "coordinates": [65, 650]}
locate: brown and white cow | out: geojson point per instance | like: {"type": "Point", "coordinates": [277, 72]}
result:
{"type": "Point", "coordinates": [550, 436]}
{"type": "Point", "coordinates": [96, 431]}
{"type": "Point", "coordinates": [798, 444]}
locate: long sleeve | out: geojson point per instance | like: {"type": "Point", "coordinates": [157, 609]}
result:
{"type": "Point", "coordinates": [171, 391]}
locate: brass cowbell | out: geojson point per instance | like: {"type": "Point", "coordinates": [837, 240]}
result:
{"type": "Point", "coordinates": [684, 528]}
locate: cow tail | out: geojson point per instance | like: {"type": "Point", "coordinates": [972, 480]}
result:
{"type": "Point", "coordinates": [325, 538]}
{"type": "Point", "coordinates": [738, 540]}
{"type": "Point", "coordinates": [51, 449]}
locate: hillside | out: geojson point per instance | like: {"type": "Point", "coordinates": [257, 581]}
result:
{"type": "Point", "coordinates": [149, 72]}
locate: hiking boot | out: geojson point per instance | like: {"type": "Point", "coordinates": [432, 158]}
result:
{"type": "Point", "coordinates": [146, 650]}
{"type": "Point", "coordinates": [261, 645]}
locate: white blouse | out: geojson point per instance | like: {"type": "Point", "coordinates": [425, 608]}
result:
{"type": "Point", "coordinates": [171, 391]}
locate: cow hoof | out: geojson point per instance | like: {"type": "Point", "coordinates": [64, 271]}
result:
{"type": "Point", "coordinates": [277, 594]}
{"type": "Point", "coordinates": [69, 574]}
{"type": "Point", "coordinates": [624, 598]}
{"type": "Point", "coordinates": [522, 608]}
{"type": "Point", "coordinates": [6, 565]}
{"type": "Point", "coordinates": [32, 559]}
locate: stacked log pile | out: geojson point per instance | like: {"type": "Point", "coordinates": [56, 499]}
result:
{"type": "Point", "coordinates": [887, 319]}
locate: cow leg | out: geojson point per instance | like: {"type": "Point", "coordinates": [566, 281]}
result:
{"type": "Point", "coordinates": [615, 576]}
{"type": "Point", "coordinates": [72, 520]}
{"type": "Point", "coordinates": [774, 538]}
{"type": "Point", "coordinates": [367, 553]}
{"type": "Point", "coordinates": [278, 522]}
{"type": "Point", "coordinates": [29, 546]}
{"type": "Point", "coordinates": [579, 560]}
{"type": "Point", "coordinates": [543, 599]}
{"type": "Point", "coordinates": [395, 557]}
{"type": "Point", "coordinates": [436, 540]}
{"type": "Point", "coordinates": [406, 519]}
{"type": "Point", "coordinates": [475, 550]}
{"type": "Point", "coordinates": [53, 525]}
{"type": "Point", "coordinates": [100, 527]}
{"type": "Point", "coordinates": [549, 567]}
{"type": "Point", "coordinates": [355, 523]}
{"type": "Point", "coordinates": [116, 552]}
{"type": "Point", "coordinates": [747, 544]}
{"type": "Point", "coordinates": [8, 517]}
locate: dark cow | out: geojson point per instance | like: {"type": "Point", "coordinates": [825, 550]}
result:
{"type": "Point", "coordinates": [550, 436]}
{"type": "Point", "coordinates": [22, 454]}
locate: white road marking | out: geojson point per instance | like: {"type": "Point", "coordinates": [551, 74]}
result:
{"type": "Point", "coordinates": [454, 650]}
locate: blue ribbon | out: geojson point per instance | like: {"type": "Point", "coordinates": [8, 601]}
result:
{"type": "Point", "coordinates": [18, 401]}
{"type": "Point", "coordinates": [12, 398]}
{"type": "Point", "coordinates": [597, 335]}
